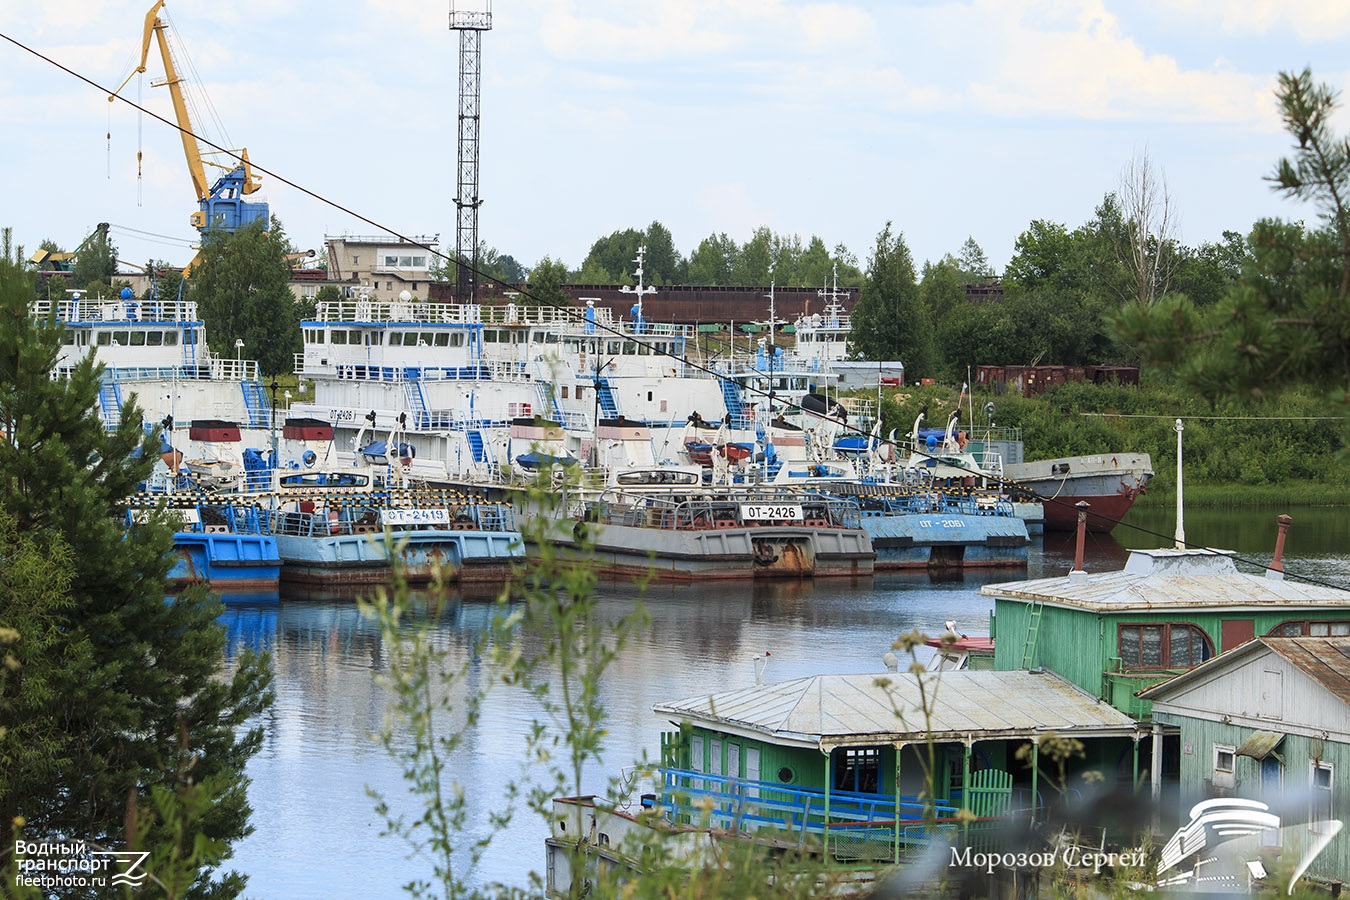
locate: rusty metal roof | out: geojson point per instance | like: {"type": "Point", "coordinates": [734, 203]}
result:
{"type": "Point", "coordinates": [1260, 744]}
{"type": "Point", "coordinates": [829, 711]}
{"type": "Point", "coordinates": [1171, 579]}
{"type": "Point", "coordinates": [1325, 659]}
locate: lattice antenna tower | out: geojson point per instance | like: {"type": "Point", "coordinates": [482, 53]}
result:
{"type": "Point", "coordinates": [470, 24]}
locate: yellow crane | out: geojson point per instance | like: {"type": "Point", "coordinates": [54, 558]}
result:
{"type": "Point", "coordinates": [220, 205]}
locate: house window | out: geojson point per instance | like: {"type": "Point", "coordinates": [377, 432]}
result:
{"type": "Point", "coordinates": [1322, 785]}
{"type": "Point", "coordinates": [857, 770]}
{"type": "Point", "coordinates": [1317, 628]}
{"type": "Point", "coordinates": [1224, 757]}
{"type": "Point", "coordinates": [1162, 646]}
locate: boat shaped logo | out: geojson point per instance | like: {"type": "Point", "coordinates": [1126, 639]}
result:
{"type": "Point", "coordinates": [1228, 843]}
{"type": "Point", "coordinates": [132, 859]}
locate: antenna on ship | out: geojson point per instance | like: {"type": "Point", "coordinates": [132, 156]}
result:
{"type": "Point", "coordinates": [470, 24]}
{"type": "Point", "coordinates": [640, 291]}
{"type": "Point", "coordinates": [834, 309]}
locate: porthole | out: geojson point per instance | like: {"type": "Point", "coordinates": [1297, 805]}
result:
{"type": "Point", "coordinates": [786, 775]}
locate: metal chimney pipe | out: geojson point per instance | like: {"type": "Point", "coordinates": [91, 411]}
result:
{"type": "Point", "coordinates": [1276, 569]}
{"type": "Point", "coordinates": [1082, 535]}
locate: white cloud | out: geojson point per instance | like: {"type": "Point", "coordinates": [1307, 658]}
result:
{"type": "Point", "coordinates": [1316, 21]}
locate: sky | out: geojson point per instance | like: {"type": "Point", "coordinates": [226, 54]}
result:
{"type": "Point", "coordinates": [947, 119]}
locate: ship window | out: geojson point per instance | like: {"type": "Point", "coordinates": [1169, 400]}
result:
{"type": "Point", "coordinates": [170, 339]}
{"type": "Point", "coordinates": [69, 338]}
{"type": "Point", "coordinates": [1163, 646]}
{"type": "Point", "coordinates": [441, 339]}
{"type": "Point", "coordinates": [564, 392]}
{"type": "Point", "coordinates": [339, 337]}
{"type": "Point", "coordinates": [320, 335]}
{"type": "Point", "coordinates": [104, 339]}
{"type": "Point", "coordinates": [154, 338]}
{"type": "Point", "coordinates": [376, 338]}
{"type": "Point", "coordinates": [457, 339]}
{"type": "Point", "coordinates": [137, 339]}
{"type": "Point", "coordinates": [629, 348]}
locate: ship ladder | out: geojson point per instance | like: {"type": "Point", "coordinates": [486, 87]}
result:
{"type": "Point", "coordinates": [255, 401]}
{"type": "Point", "coordinates": [731, 393]}
{"type": "Point", "coordinates": [1033, 629]}
{"type": "Point", "coordinates": [548, 400]}
{"type": "Point", "coordinates": [417, 401]}
{"type": "Point", "coordinates": [477, 446]}
{"type": "Point", "coordinates": [110, 401]}
{"type": "Point", "coordinates": [608, 405]}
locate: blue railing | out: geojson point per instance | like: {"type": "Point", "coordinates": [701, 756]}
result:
{"type": "Point", "coordinates": [721, 801]}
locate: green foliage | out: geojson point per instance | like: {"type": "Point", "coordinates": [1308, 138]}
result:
{"type": "Point", "coordinates": [1286, 323]}
{"type": "Point", "coordinates": [890, 320]}
{"type": "Point", "coordinates": [613, 259]}
{"type": "Point", "coordinates": [546, 284]}
{"type": "Point", "coordinates": [119, 671]}
{"type": "Point", "coordinates": [242, 288]}
{"type": "Point", "coordinates": [713, 261]}
{"type": "Point", "coordinates": [1289, 438]}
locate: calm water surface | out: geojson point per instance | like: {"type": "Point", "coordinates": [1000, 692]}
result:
{"type": "Point", "coordinates": [317, 834]}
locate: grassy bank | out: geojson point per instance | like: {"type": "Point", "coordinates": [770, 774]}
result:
{"type": "Point", "coordinates": [1289, 449]}
{"type": "Point", "coordinates": [1240, 496]}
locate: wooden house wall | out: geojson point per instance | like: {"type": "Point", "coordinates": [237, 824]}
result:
{"type": "Point", "coordinates": [1080, 645]}
{"type": "Point", "coordinates": [1198, 738]}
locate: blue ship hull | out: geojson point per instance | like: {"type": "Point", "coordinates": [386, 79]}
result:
{"type": "Point", "coordinates": [231, 563]}
{"type": "Point", "coordinates": [947, 540]}
{"type": "Point", "coordinates": [363, 558]}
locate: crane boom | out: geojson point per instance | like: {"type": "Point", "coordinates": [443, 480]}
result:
{"type": "Point", "coordinates": [220, 205]}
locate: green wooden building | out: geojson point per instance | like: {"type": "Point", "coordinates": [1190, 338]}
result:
{"type": "Point", "coordinates": [840, 761]}
{"type": "Point", "coordinates": [1270, 721]}
{"type": "Point", "coordinates": [1116, 633]}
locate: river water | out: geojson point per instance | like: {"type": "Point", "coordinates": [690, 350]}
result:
{"type": "Point", "coordinates": [317, 834]}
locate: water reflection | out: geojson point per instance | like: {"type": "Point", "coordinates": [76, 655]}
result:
{"type": "Point", "coordinates": [317, 834]}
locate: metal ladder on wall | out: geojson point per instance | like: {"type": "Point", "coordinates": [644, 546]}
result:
{"type": "Point", "coordinates": [1033, 631]}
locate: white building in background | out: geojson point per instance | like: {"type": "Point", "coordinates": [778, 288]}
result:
{"type": "Point", "coordinates": [384, 266]}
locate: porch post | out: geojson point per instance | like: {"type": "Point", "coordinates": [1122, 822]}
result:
{"type": "Point", "coordinates": [1155, 773]}
{"type": "Point", "coordinates": [895, 837]}
{"type": "Point", "coordinates": [1134, 788]}
{"type": "Point", "coordinates": [1035, 777]}
{"type": "Point", "coordinates": [965, 786]}
{"type": "Point", "coordinates": [825, 830]}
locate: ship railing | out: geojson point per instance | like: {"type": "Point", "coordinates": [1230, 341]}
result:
{"type": "Point", "coordinates": [157, 373]}
{"type": "Point", "coordinates": [115, 310]}
{"type": "Point", "coordinates": [363, 310]}
{"type": "Point", "coordinates": [226, 369]}
{"type": "Point", "coordinates": [671, 508]}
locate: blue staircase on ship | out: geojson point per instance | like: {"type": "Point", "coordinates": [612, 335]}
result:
{"type": "Point", "coordinates": [609, 407]}
{"type": "Point", "coordinates": [548, 401]}
{"type": "Point", "coordinates": [477, 445]}
{"type": "Point", "coordinates": [417, 402]}
{"type": "Point", "coordinates": [110, 402]}
{"type": "Point", "coordinates": [255, 401]}
{"type": "Point", "coordinates": [731, 393]}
